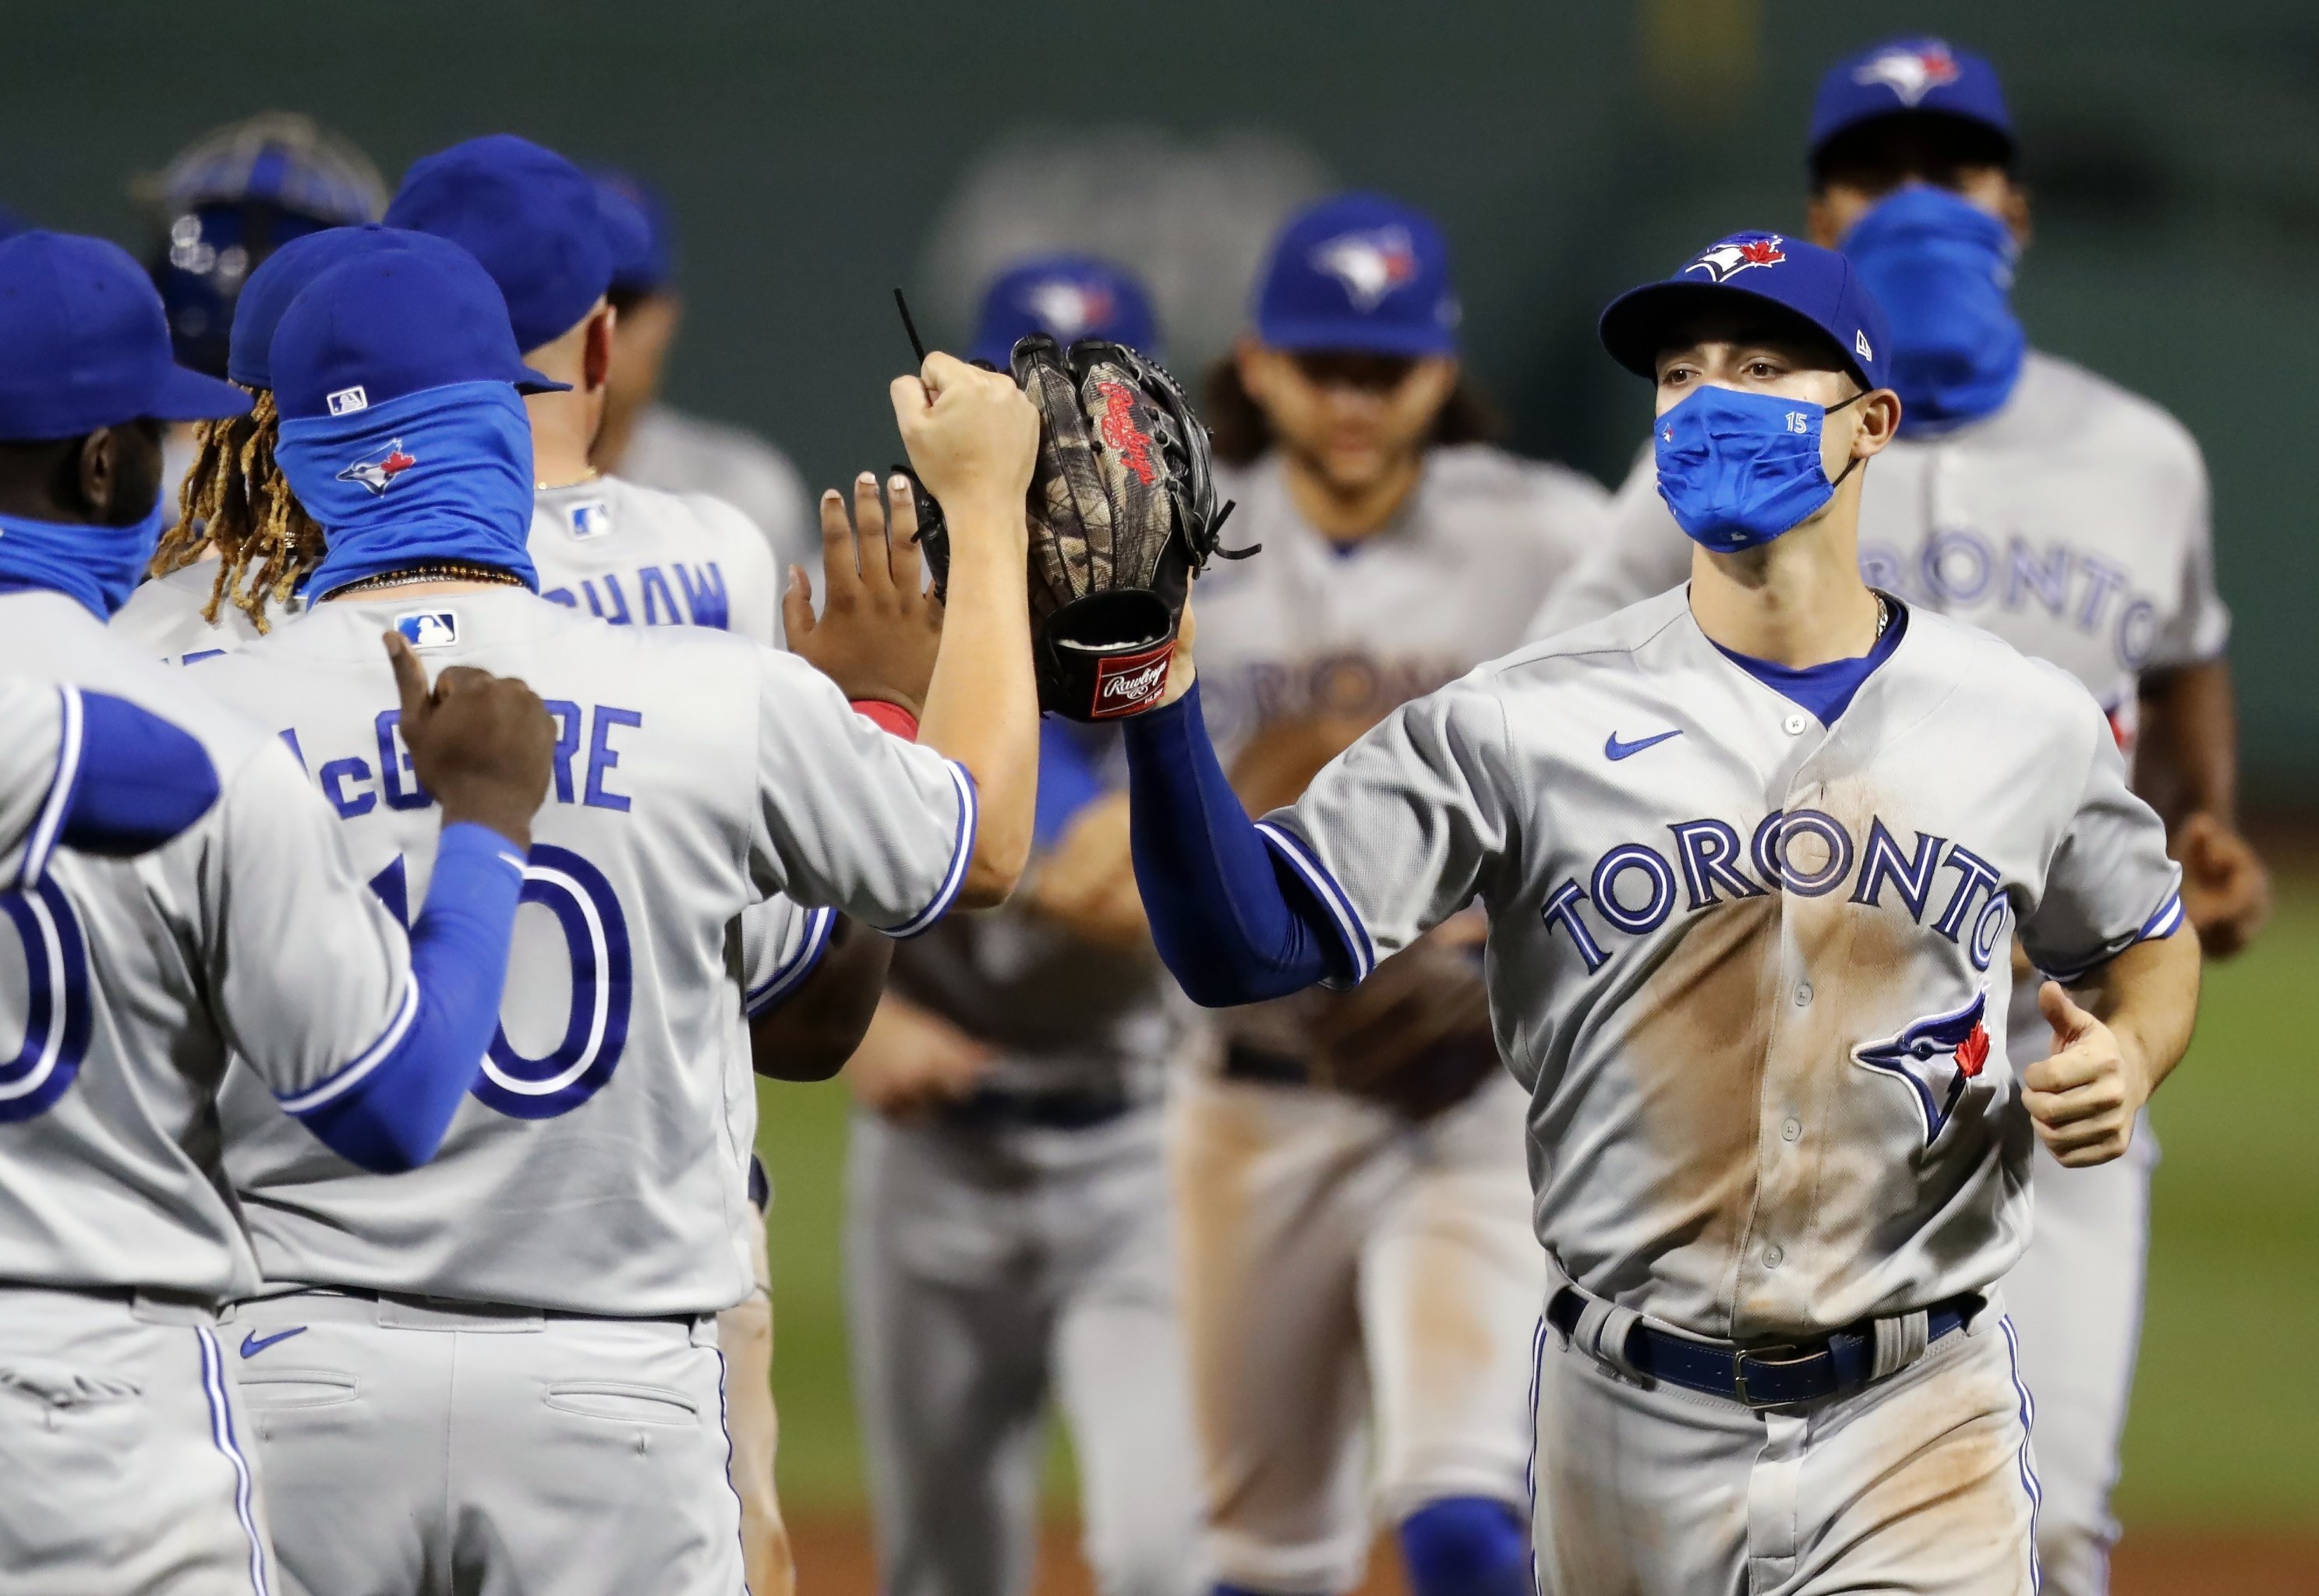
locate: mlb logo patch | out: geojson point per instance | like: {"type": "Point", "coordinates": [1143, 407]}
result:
{"type": "Point", "coordinates": [346, 402]}
{"type": "Point", "coordinates": [428, 628]}
{"type": "Point", "coordinates": [590, 519]}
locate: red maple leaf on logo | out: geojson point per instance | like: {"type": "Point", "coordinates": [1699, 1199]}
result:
{"type": "Point", "coordinates": [1973, 1052]}
{"type": "Point", "coordinates": [1762, 252]}
{"type": "Point", "coordinates": [396, 463]}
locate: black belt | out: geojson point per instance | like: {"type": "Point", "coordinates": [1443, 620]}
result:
{"type": "Point", "coordinates": [1243, 1062]}
{"type": "Point", "coordinates": [1834, 1365]}
{"type": "Point", "coordinates": [994, 1108]}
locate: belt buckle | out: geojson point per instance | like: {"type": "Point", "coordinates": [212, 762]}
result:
{"type": "Point", "coordinates": [1741, 1359]}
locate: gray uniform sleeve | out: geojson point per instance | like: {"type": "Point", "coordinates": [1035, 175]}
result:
{"type": "Point", "coordinates": [853, 818]}
{"type": "Point", "coordinates": [35, 781]}
{"type": "Point", "coordinates": [781, 941]}
{"type": "Point", "coordinates": [1400, 830]}
{"type": "Point", "coordinates": [311, 973]}
{"type": "Point", "coordinates": [1640, 552]}
{"type": "Point", "coordinates": [2109, 883]}
{"type": "Point", "coordinates": [2199, 628]}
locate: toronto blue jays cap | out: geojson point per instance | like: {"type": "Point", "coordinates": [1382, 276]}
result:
{"type": "Point", "coordinates": [1067, 297]}
{"type": "Point", "coordinates": [278, 280]}
{"type": "Point", "coordinates": [1359, 272]}
{"type": "Point", "coordinates": [532, 217]}
{"type": "Point", "coordinates": [1817, 285]}
{"type": "Point", "coordinates": [642, 232]}
{"type": "Point", "coordinates": [385, 323]}
{"type": "Point", "coordinates": [85, 343]}
{"type": "Point", "coordinates": [1908, 76]}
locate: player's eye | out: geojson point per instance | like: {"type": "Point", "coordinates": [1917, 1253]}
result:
{"type": "Point", "coordinates": [1763, 370]}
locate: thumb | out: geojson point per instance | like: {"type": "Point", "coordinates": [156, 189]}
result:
{"type": "Point", "coordinates": [912, 399]}
{"type": "Point", "coordinates": [409, 680]}
{"type": "Point", "coordinates": [2061, 1013]}
{"type": "Point", "coordinates": [797, 604]}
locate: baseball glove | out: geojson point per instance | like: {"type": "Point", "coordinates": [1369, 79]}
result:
{"type": "Point", "coordinates": [1124, 515]}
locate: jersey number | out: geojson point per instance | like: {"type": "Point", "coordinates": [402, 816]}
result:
{"type": "Point", "coordinates": [596, 1031]}
{"type": "Point", "coordinates": [56, 1009]}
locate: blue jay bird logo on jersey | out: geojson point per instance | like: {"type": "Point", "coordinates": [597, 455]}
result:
{"type": "Point", "coordinates": [380, 472]}
{"type": "Point", "coordinates": [1910, 71]}
{"type": "Point", "coordinates": [428, 628]}
{"type": "Point", "coordinates": [1939, 1057]}
{"type": "Point", "coordinates": [590, 519]}
{"type": "Point", "coordinates": [1734, 255]}
{"type": "Point", "coordinates": [1370, 264]}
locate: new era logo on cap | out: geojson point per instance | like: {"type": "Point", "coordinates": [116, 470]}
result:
{"type": "Point", "coordinates": [590, 519]}
{"type": "Point", "coordinates": [346, 402]}
{"type": "Point", "coordinates": [1370, 264]}
{"type": "Point", "coordinates": [1859, 345]}
{"type": "Point", "coordinates": [1736, 255]}
{"type": "Point", "coordinates": [428, 628]}
{"type": "Point", "coordinates": [1910, 71]}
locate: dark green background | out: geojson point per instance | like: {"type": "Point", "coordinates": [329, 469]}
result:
{"type": "Point", "coordinates": [2174, 149]}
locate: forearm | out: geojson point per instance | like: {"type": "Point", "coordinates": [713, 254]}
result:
{"type": "Point", "coordinates": [809, 1032]}
{"type": "Point", "coordinates": [2148, 996]}
{"type": "Point", "coordinates": [2186, 752]}
{"type": "Point", "coordinates": [982, 704]}
{"type": "Point", "coordinates": [389, 1110]}
{"type": "Point", "coordinates": [1230, 922]}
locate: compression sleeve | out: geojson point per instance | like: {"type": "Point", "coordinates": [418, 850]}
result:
{"type": "Point", "coordinates": [140, 780]}
{"type": "Point", "coordinates": [389, 1109]}
{"type": "Point", "coordinates": [1233, 922]}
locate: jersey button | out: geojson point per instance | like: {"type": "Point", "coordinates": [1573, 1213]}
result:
{"type": "Point", "coordinates": [1791, 1128]}
{"type": "Point", "coordinates": [1774, 1257]}
{"type": "Point", "coordinates": [1794, 725]}
{"type": "Point", "coordinates": [1803, 994]}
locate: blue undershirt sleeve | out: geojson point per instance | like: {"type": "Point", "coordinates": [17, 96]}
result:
{"type": "Point", "coordinates": [1233, 922]}
{"type": "Point", "coordinates": [141, 781]}
{"type": "Point", "coordinates": [390, 1108]}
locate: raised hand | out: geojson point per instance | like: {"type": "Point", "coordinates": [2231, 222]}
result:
{"type": "Point", "coordinates": [880, 628]}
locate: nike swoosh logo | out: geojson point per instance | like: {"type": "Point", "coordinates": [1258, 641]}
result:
{"type": "Point", "coordinates": [252, 1344]}
{"type": "Point", "coordinates": [1614, 749]}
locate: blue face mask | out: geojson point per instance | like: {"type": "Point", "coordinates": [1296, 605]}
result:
{"type": "Point", "coordinates": [1942, 270]}
{"type": "Point", "coordinates": [444, 473]}
{"type": "Point", "coordinates": [100, 566]}
{"type": "Point", "coordinates": [1739, 469]}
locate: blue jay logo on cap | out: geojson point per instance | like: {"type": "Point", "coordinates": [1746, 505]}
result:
{"type": "Point", "coordinates": [428, 628]}
{"type": "Point", "coordinates": [1734, 255]}
{"type": "Point", "coordinates": [589, 518]}
{"type": "Point", "coordinates": [378, 473]}
{"type": "Point", "coordinates": [1911, 71]}
{"type": "Point", "coordinates": [1370, 264]}
{"type": "Point", "coordinates": [1069, 308]}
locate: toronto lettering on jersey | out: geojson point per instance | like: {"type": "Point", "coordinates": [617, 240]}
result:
{"type": "Point", "coordinates": [1959, 570]}
{"type": "Point", "coordinates": [1634, 886]}
{"type": "Point", "coordinates": [706, 600]}
{"type": "Point", "coordinates": [354, 786]}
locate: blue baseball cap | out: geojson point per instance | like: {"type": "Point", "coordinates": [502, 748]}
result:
{"type": "Point", "coordinates": [643, 233]}
{"type": "Point", "coordinates": [1359, 272]}
{"type": "Point", "coordinates": [1908, 76]}
{"type": "Point", "coordinates": [85, 343]}
{"type": "Point", "coordinates": [532, 217]}
{"type": "Point", "coordinates": [385, 323]}
{"type": "Point", "coordinates": [278, 280]}
{"type": "Point", "coordinates": [1817, 285]}
{"type": "Point", "coordinates": [1067, 297]}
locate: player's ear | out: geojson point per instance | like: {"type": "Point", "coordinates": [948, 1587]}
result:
{"type": "Point", "coordinates": [1880, 421]}
{"type": "Point", "coordinates": [596, 347]}
{"type": "Point", "coordinates": [95, 474]}
{"type": "Point", "coordinates": [2015, 211]}
{"type": "Point", "coordinates": [1254, 362]}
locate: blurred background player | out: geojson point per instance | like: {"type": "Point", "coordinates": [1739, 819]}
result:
{"type": "Point", "coordinates": [225, 202]}
{"type": "Point", "coordinates": [244, 930]}
{"type": "Point", "coordinates": [1006, 1218]}
{"type": "Point", "coordinates": [652, 443]}
{"type": "Point", "coordinates": [2070, 517]}
{"type": "Point", "coordinates": [1353, 1208]}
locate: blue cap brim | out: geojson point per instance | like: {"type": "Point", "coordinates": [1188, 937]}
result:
{"type": "Point", "coordinates": [531, 382]}
{"type": "Point", "coordinates": [1636, 326]}
{"type": "Point", "coordinates": [189, 396]}
{"type": "Point", "coordinates": [1358, 337]}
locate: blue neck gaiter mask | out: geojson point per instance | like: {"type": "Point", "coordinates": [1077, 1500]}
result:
{"type": "Point", "coordinates": [1738, 469]}
{"type": "Point", "coordinates": [1942, 270]}
{"type": "Point", "coordinates": [444, 473]}
{"type": "Point", "coordinates": [100, 566]}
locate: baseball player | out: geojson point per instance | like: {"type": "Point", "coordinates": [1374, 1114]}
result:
{"type": "Point", "coordinates": [1360, 1284]}
{"type": "Point", "coordinates": [1751, 854]}
{"type": "Point", "coordinates": [561, 1428]}
{"type": "Point", "coordinates": [1008, 1227]}
{"type": "Point", "coordinates": [2038, 500]}
{"type": "Point", "coordinates": [243, 928]}
{"type": "Point", "coordinates": [654, 445]}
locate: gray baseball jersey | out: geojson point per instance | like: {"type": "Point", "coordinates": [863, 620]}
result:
{"type": "Point", "coordinates": [599, 1166]}
{"type": "Point", "coordinates": [638, 557]}
{"type": "Point", "coordinates": [681, 453]}
{"type": "Point", "coordinates": [36, 728]}
{"type": "Point", "coordinates": [163, 617]}
{"type": "Point", "coordinates": [1751, 968]}
{"type": "Point", "coordinates": [130, 982]}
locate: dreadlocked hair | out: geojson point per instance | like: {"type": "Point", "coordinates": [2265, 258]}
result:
{"type": "Point", "coordinates": [236, 501]}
